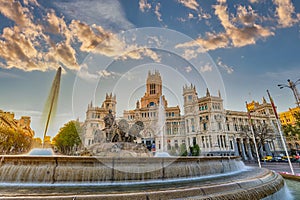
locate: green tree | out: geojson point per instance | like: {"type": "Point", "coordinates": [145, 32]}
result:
{"type": "Point", "coordinates": [183, 150]}
{"type": "Point", "coordinates": [196, 150]}
{"type": "Point", "coordinates": [68, 137]}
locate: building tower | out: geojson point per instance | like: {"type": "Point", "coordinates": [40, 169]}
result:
{"type": "Point", "coordinates": [153, 90]}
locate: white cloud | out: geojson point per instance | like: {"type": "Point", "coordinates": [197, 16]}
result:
{"type": "Point", "coordinates": [233, 36]}
{"type": "Point", "coordinates": [284, 12]}
{"type": "Point", "coordinates": [227, 68]}
{"type": "Point", "coordinates": [157, 12]}
{"type": "Point", "coordinates": [144, 5]}
{"type": "Point", "coordinates": [191, 4]}
{"type": "Point", "coordinates": [206, 68]}
{"type": "Point", "coordinates": [188, 69]}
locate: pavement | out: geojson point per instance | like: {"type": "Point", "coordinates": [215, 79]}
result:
{"type": "Point", "coordinates": [276, 166]}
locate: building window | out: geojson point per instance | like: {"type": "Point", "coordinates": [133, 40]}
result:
{"type": "Point", "coordinates": [151, 104]}
{"type": "Point", "coordinates": [152, 88]}
{"type": "Point", "coordinates": [190, 98]}
{"type": "Point", "coordinates": [187, 125]}
{"type": "Point", "coordinates": [194, 141]}
{"type": "Point", "coordinates": [193, 125]}
{"type": "Point", "coordinates": [204, 126]}
{"type": "Point", "coordinates": [176, 144]}
{"type": "Point", "coordinates": [220, 127]}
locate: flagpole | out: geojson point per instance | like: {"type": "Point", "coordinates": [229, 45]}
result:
{"type": "Point", "coordinates": [252, 131]}
{"type": "Point", "coordinates": [280, 132]}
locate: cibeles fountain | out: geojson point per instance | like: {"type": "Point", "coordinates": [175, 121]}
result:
{"type": "Point", "coordinates": [122, 169]}
{"type": "Point", "coordinates": [119, 168]}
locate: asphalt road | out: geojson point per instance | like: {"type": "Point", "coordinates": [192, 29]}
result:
{"type": "Point", "coordinates": [277, 166]}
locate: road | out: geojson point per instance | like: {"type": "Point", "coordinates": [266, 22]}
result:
{"type": "Point", "coordinates": [277, 166]}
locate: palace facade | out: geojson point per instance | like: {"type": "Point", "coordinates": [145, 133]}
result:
{"type": "Point", "coordinates": [204, 122]}
{"type": "Point", "coordinates": [7, 119]}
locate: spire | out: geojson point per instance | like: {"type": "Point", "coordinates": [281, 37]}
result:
{"type": "Point", "coordinates": [137, 104]}
{"type": "Point", "coordinates": [219, 93]}
{"type": "Point", "coordinates": [264, 100]}
{"type": "Point", "coordinates": [207, 92]}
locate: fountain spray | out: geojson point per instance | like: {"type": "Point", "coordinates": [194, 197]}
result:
{"type": "Point", "coordinates": [51, 104]}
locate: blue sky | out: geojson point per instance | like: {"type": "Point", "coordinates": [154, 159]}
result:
{"type": "Point", "coordinates": [241, 48]}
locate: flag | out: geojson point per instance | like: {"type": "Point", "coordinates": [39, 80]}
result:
{"type": "Point", "coordinates": [249, 115]}
{"type": "Point", "coordinates": [273, 105]}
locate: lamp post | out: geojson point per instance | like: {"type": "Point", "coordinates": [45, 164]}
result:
{"type": "Point", "coordinates": [292, 86]}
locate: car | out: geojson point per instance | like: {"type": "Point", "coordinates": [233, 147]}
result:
{"type": "Point", "coordinates": [41, 152]}
{"type": "Point", "coordinates": [277, 159]}
{"type": "Point", "coordinates": [267, 158]}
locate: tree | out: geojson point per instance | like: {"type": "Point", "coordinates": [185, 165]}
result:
{"type": "Point", "coordinates": [183, 150]}
{"type": "Point", "coordinates": [68, 137]}
{"type": "Point", "coordinates": [263, 133]}
{"type": "Point", "coordinates": [14, 141]}
{"type": "Point", "coordinates": [196, 150]}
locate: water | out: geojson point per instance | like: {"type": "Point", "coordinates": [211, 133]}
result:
{"type": "Point", "coordinates": [161, 123]}
{"type": "Point", "coordinates": [51, 104]}
{"type": "Point", "coordinates": [294, 188]}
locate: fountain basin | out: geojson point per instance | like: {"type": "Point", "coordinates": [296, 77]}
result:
{"type": "Point", "coordinates": [135, 178]}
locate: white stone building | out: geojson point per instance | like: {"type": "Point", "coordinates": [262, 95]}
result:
{"type": "Point", "coordinates": [204, 121]}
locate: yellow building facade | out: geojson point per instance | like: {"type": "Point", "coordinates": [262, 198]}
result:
{"type": "Point", "coordinates": [7, 119]}
{"type": "Point", "coordinates": [287, 117]}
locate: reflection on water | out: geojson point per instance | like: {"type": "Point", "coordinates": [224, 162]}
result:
{"type": "Point", "coordinates": [294, 187]}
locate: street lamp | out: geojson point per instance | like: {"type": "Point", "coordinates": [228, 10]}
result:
{"type": "Point", "coordinates": [292, 86]}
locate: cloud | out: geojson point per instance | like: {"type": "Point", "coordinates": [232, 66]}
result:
{"type": "Point", "coordinates": [15, 12]}
{"type": "Point", "coordinates": [227, 68]}
{"type": "Point", "coordinates": [86, 75]}
{"type": "Point", "coordinates": [191, 4]}
{"type": "Point", "coordinates": [254, 1]}
{"type": "Point", "coordinates": [157, 12]}
{"type": "Point", "coordinates": [107, 13]}
{"type": "Point", "coordinates": [284, 12]}
{"type": "Point", "coordinates": [34, 2]}
{"type": "Point", "coordinates": [107, 74]}
{"type": "Point", "coordinates": [212, 42]}
{"type": "Point", "coordinates": [188, 69]}
{"type": "Point", "coordinates": [97, 40]}
{"type": "Point", "coordinates": [206, 68]}
{"type": "Point", "coordinates": [144, 5]}
{"type": "Point", "coordinates": [233, 36]}
{"type": "Point", "coordinates": [189, 54]}
{"type": "Point", "coordinates": [8, 75]}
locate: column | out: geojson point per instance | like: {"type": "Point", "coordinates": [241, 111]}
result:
{"type": "Point", "coordinates": [249, 149]}
{"type": "Point", "coordinates": [236, 150]}
{"type": "Point", "coordinates": [267, 148]}
{"type": "Point", "coordinates": [243, 150]}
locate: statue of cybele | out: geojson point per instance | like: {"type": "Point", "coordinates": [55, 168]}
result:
{"type": "Point", "coordinates": [109, 121]}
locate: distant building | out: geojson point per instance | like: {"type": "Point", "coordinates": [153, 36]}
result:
{"type": "Point", "coordinates": [148, 110]}
{"type": "Point", "coordinates": [287, 117]}
{"type": "Point", "coordinates": [94, 122]}
{"type": "Point", "coordinates": [7, 119]}
{"type": "Point", "coordinates": [205, 122]}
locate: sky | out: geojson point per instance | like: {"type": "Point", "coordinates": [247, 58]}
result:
{"type": "Point", "coordinates": [240, 48]}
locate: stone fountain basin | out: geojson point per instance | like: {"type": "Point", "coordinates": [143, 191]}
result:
{"type": "Point", "coordinates": [134, 178]}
